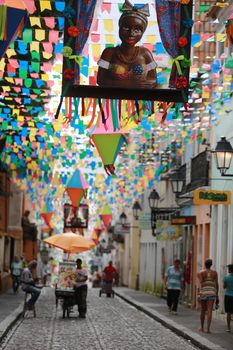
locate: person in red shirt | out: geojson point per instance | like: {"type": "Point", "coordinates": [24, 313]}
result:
{"type": "Point", "coordinates": [110, 272]}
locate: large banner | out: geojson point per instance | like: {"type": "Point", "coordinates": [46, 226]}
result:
{"type": "Point", "coordinates": [115, 45]}
{"type": "Point", "coordinates": [65, 274]}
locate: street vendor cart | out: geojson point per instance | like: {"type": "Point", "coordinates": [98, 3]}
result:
{"type": "Point", "coordinates": [65, 295]}
{"type": "Point", "coordinates": [69, 242]}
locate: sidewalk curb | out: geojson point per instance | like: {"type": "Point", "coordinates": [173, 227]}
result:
{"type": "Point", "coordinates": [182, 331]}
{"type": "Point", "coordinates": [9, 321]}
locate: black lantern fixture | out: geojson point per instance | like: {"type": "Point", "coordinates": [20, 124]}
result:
{"type": "Point", "coordinates": [123, 219]}
{"type": "Point", "coordinates": [177, 183]}
{"type": "Point", "coordinates": [136, 209]}
{"type": "Point", "coordinates": [223, 156]}
{"type": "Point", "coordinates": [153, 200]}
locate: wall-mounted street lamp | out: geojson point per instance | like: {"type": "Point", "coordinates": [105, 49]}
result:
{"type": "Point", "coordinates": [136, 209]}
{"type": "Point", "coordinates": [123, 219]}
{"type": "Point", "coordinates": [223, 156]}
{"type": "Point", "coordinates": [177, 183]}
{"type": "Point", "coordinates": [153, 200]}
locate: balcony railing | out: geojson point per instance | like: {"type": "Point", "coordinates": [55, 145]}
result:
{"type": "Point", "coordinates": [199, 173]}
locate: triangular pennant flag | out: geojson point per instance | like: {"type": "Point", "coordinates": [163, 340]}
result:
{"type": "Point", "coordinates": [106, 216]}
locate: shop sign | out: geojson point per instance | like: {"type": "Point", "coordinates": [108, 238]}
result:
{"type": "Point", "coordinates": [165, 231]}
{"type": "Point", "coordinates": [211, 197]}
{"type": "Point", "coordinates": [121, 229]}
{"type": "Point", "coordinates": [184, 220]}
{"type": "Point", "coordinates": [145, 221]}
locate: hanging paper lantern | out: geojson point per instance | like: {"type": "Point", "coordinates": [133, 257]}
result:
{"type": "Point", "coordinates": [108, 146]}
{"type": "Point", "coordinates": [76, 188]}
{"type": "Point", "coordinates": [106, 216]}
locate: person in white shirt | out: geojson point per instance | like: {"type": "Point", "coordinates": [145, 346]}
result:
{"type": "Point", "coordinates": [80, 286]}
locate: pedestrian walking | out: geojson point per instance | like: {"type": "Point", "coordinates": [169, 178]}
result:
{"type": "Point", "coordinates": [207, 293]}
{"type": "Point", "coordinates": [228, 295]}
{"type": "Point", "coordinates": [46, 273]}
{"type": "Point", "coordinates": [16, 270]}
{"type": "Point", "coordinates": [28, 284]}
{"type": "Point", "coordinates": [174, 283]}
{"type": "Point", "coordinates": [80, 287]}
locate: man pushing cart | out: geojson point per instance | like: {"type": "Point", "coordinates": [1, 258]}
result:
{"type": "Point", "coordinates": [109, 276]}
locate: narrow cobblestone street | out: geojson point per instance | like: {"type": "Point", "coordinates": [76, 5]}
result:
{"type": "Point", "coordinates": [111, 324]}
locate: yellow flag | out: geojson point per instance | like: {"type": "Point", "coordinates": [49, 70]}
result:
{"type": "Point", "coordinates": [35, 46]}
{"type": "Point", "coordinates": [35, 21]}
{"type": "Point", "coordinates": [40, 34]}
{"type": "Point", "coordinates": [96, 50]}
{"type": "Point", "coordinates": [45, 5]}
{"type": "Point", "coordinates": [16, 111]}
{"type": "Point", "coordinates": [57, 68]}
{"type": "Point", "coordinates": [45, 77]}
{"type": "Point", "coordinates": [10, 80]}
{"type": "Point", "coordinates": [10, 52]}
{"type": "Point", "coordinates": [2, 65]}
{"type": "Point", "coordinates": [108, 25]}
{"type": "Point", "coordinates": [151, 39]}
{"type": "Point", "coordinates": [152, 23]}
{"type": "Point", "coordinates": [110, 39]}
{"type": "Point", "coordinates": [47, 55]}
{"type": "Point", "coordinates": [6, 88]}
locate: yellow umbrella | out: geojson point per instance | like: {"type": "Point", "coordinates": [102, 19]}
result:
{"type": "Point", "coordinates": [70, 242]}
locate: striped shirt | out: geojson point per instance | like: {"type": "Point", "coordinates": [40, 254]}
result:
{"type": "Point", "coordinates": [174, 278]}
{"type": "Point", "coordinates": [208, 284]}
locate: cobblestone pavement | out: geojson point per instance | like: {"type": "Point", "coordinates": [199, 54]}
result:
{"type": "Point", "coordinates": [111, 324]}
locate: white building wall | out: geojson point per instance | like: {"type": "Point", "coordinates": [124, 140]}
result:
{"type": "Point", "coordinates": [222, 216]}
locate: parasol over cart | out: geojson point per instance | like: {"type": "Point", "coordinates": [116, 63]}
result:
{"type": "Point", "coordinates": [69, 242]}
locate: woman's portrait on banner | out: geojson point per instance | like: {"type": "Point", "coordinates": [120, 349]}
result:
{"type": "Point", "coordinates": [128, 64]}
